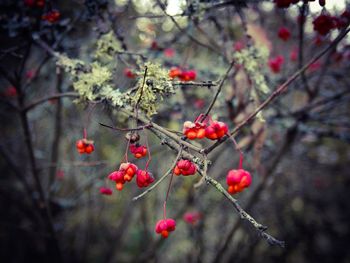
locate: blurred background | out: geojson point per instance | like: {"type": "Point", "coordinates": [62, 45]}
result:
{"type": "Point", "coordinates": [297, 151]}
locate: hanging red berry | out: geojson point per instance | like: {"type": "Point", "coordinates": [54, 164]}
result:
{"type": "Point", "coordinates": [85, 146]}
{"type": "Point", "coordinates": [216, 130]}
{"type": "Point", "coordinates": [275, 64]}
{"type": "Point", "coordinates": [129, 170]}
{"type": "Point", "coordinates": [105, 191]}
{"type": "Point", "coordinates": [138, 151]}
{"type": "Point", "coordinates": [185, 167]}
{"type": "Point", "coordinates": [237, 180]}
{"type": "Point", "coordinates": [164, 226]}
{"type": "Point", "coordinates": [118, 178]}
{"type": "Point", "coordinates": [143, 178]}
{"type": "Point", "coordinates": [284, 33]}
{"type": "Point", "coordinates": [323, 24]}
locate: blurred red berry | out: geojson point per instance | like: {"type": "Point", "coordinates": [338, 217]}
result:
{"type": "Point", "coordinates": [192, 217]}
{"type": "Point", "coordinates": [164, 226]}
{"type": "Point", "coordinates": [323, 24]}
{"type": "Point", "coordinates": [52, 16]}
{"type": "Point", "coordinates": [169, 52]}
{"type": "Point", "coordinates": [129, 73]}
{"type": "Point", "coordinates": [105, 191]}
{"type": "Point", "coordinates": [284, 33]}
{"type": "Point", "coordinates": [238, 46]}
{"type": "Point", "coordinates": [175, 72]}
{"type": "Point", "coordinates": [294, 54]}
{"type": "Point", "coordinates": [10, 92]}
{"type": "Point", "coordinates": [275, 64]}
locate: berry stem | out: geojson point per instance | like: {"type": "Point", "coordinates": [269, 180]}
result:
{"type": "Point", "coordinates": [241, 155]}
{"type": "Point", "coordinates": [148, 151]}
{"type": "Point", "coordinates": [126, 151]}
{"type": "Point", "coordinates": [84, 133]}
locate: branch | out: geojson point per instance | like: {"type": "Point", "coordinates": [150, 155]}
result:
{"type": "Point", "coordinates": [278, 91]}
{"type": "Point", "coordinates": [219, 89]}
{"type": "Point", "coordinates": [170, 170]}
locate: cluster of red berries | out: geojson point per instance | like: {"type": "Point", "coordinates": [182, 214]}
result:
{"type": "Point", "coordinates": [185, 167]}
{"type": "Point", "coordinates": [237, 180]}
{"type": "Point", "coordinates": [126, 173]}
{"type": "Point", "coordinates": [164, 226]}
{"type": "Point", "coordinates": [183, 75]}
{"type": "Point", "coordinates": [51, 16]}
{"type": "Point", "coordinates": [324, 23]}
{"type": "Point", "coordinates": [276, 63]}
{"type": "Point", "coordinates": [129, 73]}
{"type": "Point", "coordinates": [284, 33]}
{"type": "Point", "coordinates": [35, 3]}
{"type": "Point", "coordinates": [208, 128]}
{"type": "Point", "coordinates": [137, 150]}
{"type": "Point", "coordinates": [85, 146]}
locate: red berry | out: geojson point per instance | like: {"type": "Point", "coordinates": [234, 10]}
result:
{"type": "Point", "coordinates": [192, 217]}
{"type": "Point", "coordinates": [143, 178]}
{"type": "Point", "coordinates": [169, 52]}
{"type": "Point", "coordinates": [129, 170]}
{"type": "Point", "coordinates": [138, 151]}
{"type": "Point", "coordinates": [275, 64]}
{"type": "Point", "coordinates": [105, 191]}
{"type": "Point", "coordinates": [323, 24]}
{"type": "Point", "coordinates": [294, 54]}
{"type": "Point", "coordinates": [216, 130]}
{"type": "Point", "coordinates": [164, 226]}
{"type": "Point", "coordinates": [129, 74]}
{"type": "Point", "coordinates": [284, 33]}
{"type": "Point", "coordinates": [175, 72]}
{"type": "Point", "coordinates": [237, 180]}
{"type": "Point", "coordinates": [185, 167]}
{"type": "Point", "coordinates": [238, 46]}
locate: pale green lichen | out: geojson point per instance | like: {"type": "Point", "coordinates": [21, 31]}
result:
{"type": "Point", "coordinates": [106, 48]}
{"type": "Point", "coordinates": [253, 60]}
{"type": "Point", "coordinates": [158, 85]}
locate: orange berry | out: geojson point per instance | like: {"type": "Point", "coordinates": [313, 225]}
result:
{"type": "Point", "coordinates": [127, 177]}
{"type": "Point", "coordinates": [89, 148]}
{"type": "Point", "coordinates": [191, 135]}
{"type": "Point", "coordinates": [80, 144]}
{"type": "Point", "coordinates": [165, 233]}
{"type": "Point", "coordinates": [177, 171]}
{"type": "Point", "coordinates": [119, 186]}
{"type": "Point", "coordinates": [201, 133]}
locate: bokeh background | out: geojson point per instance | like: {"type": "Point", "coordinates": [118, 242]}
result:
{"type": "Point", "coordinates": [298, 157]}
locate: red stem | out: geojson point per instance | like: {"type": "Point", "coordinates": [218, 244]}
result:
{"type": "Point", "coordinates": [241, 155]}
{"type": "Point", "coordinates": [149, 152]}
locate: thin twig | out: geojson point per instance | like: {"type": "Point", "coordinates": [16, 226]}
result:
{"type": "Point", "coordinates": [161, 178]}
{"type": "Point", "coordinates": [219, 89]}
{"type": "Point", "coordinates": [139, 128]}
{"type": "Point", "coordinates": [278, 91]}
